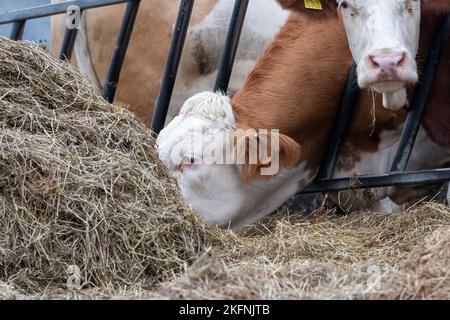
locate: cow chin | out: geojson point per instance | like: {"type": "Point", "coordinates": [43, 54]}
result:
{"type": "Point", "coordinates": [394, 94]}
{"type": "Point", "coordinates": [388, 86]}
{"type": "Point", "coordinates": [393, 91]}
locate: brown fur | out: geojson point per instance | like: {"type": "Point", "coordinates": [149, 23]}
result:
{"type": "Point", "coordinates": [437, 115]}
{"type": "Point", "coordinates": [328, 6]}
{"type": "Point", "coordinates": [297, 84]}
{"type": "Point", "coordinates": [289, 154]}
{"type": "Point", "coordinates": [436, 5]}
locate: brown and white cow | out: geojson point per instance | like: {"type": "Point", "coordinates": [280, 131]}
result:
{"type": "Point", "coordinates": [294, 87]}
{"type": "Point", "coordinates": [147, 53]}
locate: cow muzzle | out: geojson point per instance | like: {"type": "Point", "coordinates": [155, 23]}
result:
{"type": "Point", "coordinates": [389, 72]}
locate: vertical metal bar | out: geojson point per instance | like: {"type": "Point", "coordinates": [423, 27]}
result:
{"type": "Point", "coordinates": [347, 105]}
{"type": "Point", "coordinates": [17, 30]}
{"type": "Point", "coordinates": [173, 61]}
{"type": "Point", "coordinates": [120, 49]}
{"type": "Point", "coordinates": [422, 92]}
{"type": "Point", "coordinates": [231, 45]}
{"type": "Point", "coordinates": [70, 36]}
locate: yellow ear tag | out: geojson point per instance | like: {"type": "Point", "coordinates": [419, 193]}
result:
{"type": "Point", "coordinates": [313, 4]}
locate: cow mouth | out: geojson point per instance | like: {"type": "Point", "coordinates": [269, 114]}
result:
{"type": "Point", "coordinates": [388, 86]}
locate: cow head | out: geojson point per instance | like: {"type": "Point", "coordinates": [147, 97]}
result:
{"type": "Point", "coordinates": [383, 36]}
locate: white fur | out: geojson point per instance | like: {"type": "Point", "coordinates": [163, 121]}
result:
{"type": "Point", "coordinates": [395, 100]}
{"type": "Point", "coordinates": [381, 27]}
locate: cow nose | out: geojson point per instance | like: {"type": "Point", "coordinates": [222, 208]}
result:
{"type": "Point", "coordinates": [387, 66]}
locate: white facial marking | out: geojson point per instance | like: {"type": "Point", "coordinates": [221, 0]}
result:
{"type": "Point", "coordinates": [383, 37]}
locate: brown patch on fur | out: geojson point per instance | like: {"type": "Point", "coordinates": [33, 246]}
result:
{"type": "Point", "coordinates": [141, 74]}
{"type": "Point", "coordinates": [436, 5]}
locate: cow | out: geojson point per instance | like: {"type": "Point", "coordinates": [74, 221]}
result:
{"type": "Point", "coordinates": [148, 50]}
{"type": "Point", "coordinates": [383, 38]}
{"type": "Point", "coordinates": [295, 87]}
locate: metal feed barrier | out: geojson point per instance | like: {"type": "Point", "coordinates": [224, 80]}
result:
{"type": "Point", "coordinates": [398, 176]}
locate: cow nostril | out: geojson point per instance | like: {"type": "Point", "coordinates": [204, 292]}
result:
{"type": "Point", "coordinates": [373, 63]}
{"type": "Point", "coordinates": [402, 61]}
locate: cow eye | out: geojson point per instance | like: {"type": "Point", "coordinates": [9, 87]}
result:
{"type": "Point", "coordinates": [345, 6]}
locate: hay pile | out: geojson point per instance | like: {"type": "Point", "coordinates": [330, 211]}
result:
{"type": "Point", "coordinates": [326, 256]}
{"type": "Point", "coordinates": [81, 188]}
{"type": "Point", "coordinates": [323, 256]}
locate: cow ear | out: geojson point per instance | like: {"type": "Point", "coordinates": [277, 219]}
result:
{"type": "Point", "coordinates": [281, 152]}
{"type": "Point", "coordinates": [436, 5]}
{"type": "Point", "coordinates": [309, 6]}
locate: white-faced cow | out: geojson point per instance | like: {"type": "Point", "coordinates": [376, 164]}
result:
{"type": "Point", "coordinates": [147, 53]}
{"type": "Point", "coordinates": [383, 37]}
{"type": "Point", "coordinates": [295, 87]}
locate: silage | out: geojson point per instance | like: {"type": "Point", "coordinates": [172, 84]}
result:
{"type": "Point", "coordinates": [82, 192]}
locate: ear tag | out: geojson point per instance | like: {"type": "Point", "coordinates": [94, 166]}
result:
{"type": "Point", "coordinates": [313, 4]}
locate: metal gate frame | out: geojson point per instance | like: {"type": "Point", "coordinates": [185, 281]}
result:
{"type": "Point", "coordinates": [398, 176]}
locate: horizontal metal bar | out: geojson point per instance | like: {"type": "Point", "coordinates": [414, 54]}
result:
{"type": "Point", "coordinates": [17, 30]}
{"type": "Point", "coordinates": [52, 9]}
{"type": "Point", "coordinates": [393, 179]}
{"type": "Point", "coordinates": [422, 93]}
{"type": "Point", "coordinates": [172, 64]}
{"type": "Point", "coordinates": [231, 45]}
{"type": "Point", "coordinates": [346, 107]}
{"type": "Point", "coordinates": [120, 50]}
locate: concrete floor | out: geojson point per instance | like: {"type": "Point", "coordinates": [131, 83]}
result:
{"type": "Point", "coordinates": [37, 30]}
